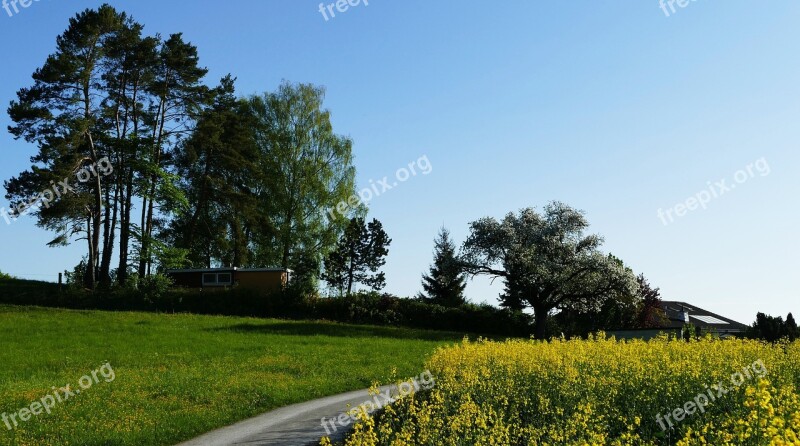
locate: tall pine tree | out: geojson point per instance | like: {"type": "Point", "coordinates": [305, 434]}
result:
{"type": "Point", "coordinates": [444, 284]}
{"type": "Point", "coordinates": [107, 93]}
{"type": "Point", "coordinates": [358, 257]}
{"type": "Point", "coordinates": [791, 328]}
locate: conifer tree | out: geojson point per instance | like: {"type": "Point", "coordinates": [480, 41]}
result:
{"type": "Point", "coordinates": [444, 284]}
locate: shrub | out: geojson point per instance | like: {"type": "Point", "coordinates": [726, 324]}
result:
{"type": "Point", "coordinates": [154, 294]}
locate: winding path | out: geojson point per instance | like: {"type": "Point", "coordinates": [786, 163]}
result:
{"type": "Point", "coordinates": [295, 425]}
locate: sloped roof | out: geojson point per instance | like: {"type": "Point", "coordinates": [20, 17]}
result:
{"type": "Point", "coordinates": [226, 270]}
{"type": "Point", "coordinates": [699, 317]}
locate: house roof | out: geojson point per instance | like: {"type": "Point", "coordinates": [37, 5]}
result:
{"type": "Point", "coordinates": [676, 314]}
{"type": "Point", "coordinates": [225, 270]}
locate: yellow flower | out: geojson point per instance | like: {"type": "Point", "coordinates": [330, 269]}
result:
{"type": "Point", "coordinates": [599, 392]}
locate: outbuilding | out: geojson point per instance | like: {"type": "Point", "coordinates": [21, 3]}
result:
{"type": "Point", "coordinates": [265, 279]}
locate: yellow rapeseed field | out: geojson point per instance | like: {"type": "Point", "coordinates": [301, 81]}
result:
{"type": "Point", "coordinates": [600, 392]}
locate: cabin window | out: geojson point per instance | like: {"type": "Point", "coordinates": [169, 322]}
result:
{"type": "Point", "coordinates": [217, 279]}
{"type": "Point", "coordinates": [209, 279]}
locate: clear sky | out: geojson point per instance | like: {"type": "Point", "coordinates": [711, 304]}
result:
{"type": "Point", "coordinates": [610, 106]}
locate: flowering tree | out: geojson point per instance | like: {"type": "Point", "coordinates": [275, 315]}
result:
{"type": "Point", "coordinates": [546, 261]}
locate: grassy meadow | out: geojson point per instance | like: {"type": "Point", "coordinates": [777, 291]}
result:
{"type": "Point", "coordinates": [178, 376]}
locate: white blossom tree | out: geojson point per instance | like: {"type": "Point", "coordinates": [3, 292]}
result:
{"type": "Point", "coordinates": [546, 261]}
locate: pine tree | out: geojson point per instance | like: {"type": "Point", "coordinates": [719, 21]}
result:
{"type": "Point", "coordinates": [218, 168]}
{"type": "Point", "coordinates": [791, 328]}
{"type": "Point", "coordinates": [358, 257]}
{"type": "Point", "coordinates": [444, 284]}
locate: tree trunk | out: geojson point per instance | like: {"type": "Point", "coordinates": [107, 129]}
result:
{"type": "Point", "coordinates": [89, 276]}
{"type": "Point", "coordinates": [145, 258]}
{"type": "Point", "coordinates": [351, 273]}
{"type": "Point", "coordinates": [287, 236]}
{"type": "Point", "coordinates": [142, 247]}
{"type": "Point", "coordinates": [125, 230]}
{"type": "Point", "coordinates": [540, 323]}
{"type": "Point", "coordinates": [109, 233]}
{"type": "Point", "coordinates": [146, 237]}
{"type": "Point", "coordinates": [96, 223]}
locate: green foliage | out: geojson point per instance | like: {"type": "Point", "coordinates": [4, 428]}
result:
{"type": "Point", "coordinates": [372, 308]}
{"type": "Point", "coordinates": [150, 288]}
{"type": "Point", "coordinates": [772, 329]}
{"type": "Point", "coordinates": [547, 262]}
{"type": "Point", "coordinates": [4, 276]}
{"type": "Point", "coordinates": [107, 94]}
{"type": "Point", "coordinates": [640, 310]}
{"type": "Point", "coordinates": [168, 257]}
{"type": "Point", "coordinates": [792, 332]}
{"type": "Point", "coordinates": [650, 312]}
{"type": "Point", "coordinates": [28, 292]}
{"type": "Point", "coordinates": [690, 331]}
{"type": "Point", "coordinates": [218, 165]}
{"type": "Point", "coordinates": [358, 257]}
{"type": "Point", "coordinates": [444, 284]}
{"type": "Point", "coordinates": [305, 169]}
{"type": "Point", "coordinates": [74, 278]}
{"type": "Point", "coordinates": [384, 309]}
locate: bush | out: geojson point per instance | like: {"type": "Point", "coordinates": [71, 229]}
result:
{"type": "Point", "coordinates": [372, 308]}
{"type": "Point", "coordinates": [385, 309]}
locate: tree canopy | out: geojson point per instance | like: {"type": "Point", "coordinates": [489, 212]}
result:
{"type": "Point", "coordinates": [358, 257]}
{"type": "Point", "coordinates": [196, 175]}
{"type": "Point", "coordinates": [546, 261]}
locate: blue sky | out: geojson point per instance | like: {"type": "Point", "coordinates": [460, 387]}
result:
{"type": "Point", "coordinates": [609, 106]}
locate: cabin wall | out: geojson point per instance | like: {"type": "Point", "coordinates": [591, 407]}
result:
{"type": "Point", "coordinates": [187, 280]}
{"type": "Point", "coordinates": [262, 280]}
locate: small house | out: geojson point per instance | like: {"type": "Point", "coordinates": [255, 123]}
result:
{"type": "Point", "coordinates": [264, 279]}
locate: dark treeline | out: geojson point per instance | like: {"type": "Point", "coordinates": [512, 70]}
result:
{"type": "Point", "coordinates": [772, 329]}
{"type": "Point", "coordinates": [201, 177]}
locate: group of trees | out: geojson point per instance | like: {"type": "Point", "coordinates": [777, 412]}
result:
{"type": "Point", "coordinates": [548, 265]}
{"type": "Point", "coordinates": [770, 328]}
{"type": "Point", "coordinates": [200, 177]}
{"type": "Point", "coordinates": [641, 310]}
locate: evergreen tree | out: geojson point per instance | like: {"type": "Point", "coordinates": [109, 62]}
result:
{"type": "Point", "coordinates": [444, 284]}
{"type": "Point", "coordinates": [61, 114]}
{"type": "Point", "coordinates": [791, 328]}
{"type": "Point", "coordinates": [358, 256]}
{"type": "Point", "coordinates": [107, 95]}
{"type": "Point", "coordinates": [768, 328]}
{"type": "Point", "coordinates": [218, 168]}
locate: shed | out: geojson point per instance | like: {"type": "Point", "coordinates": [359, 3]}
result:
{"type": "Point", "coordinates": [265, 279]}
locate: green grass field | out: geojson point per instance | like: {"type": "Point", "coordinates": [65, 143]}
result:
{"type": "Point", "coordinates": [177, 376]}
